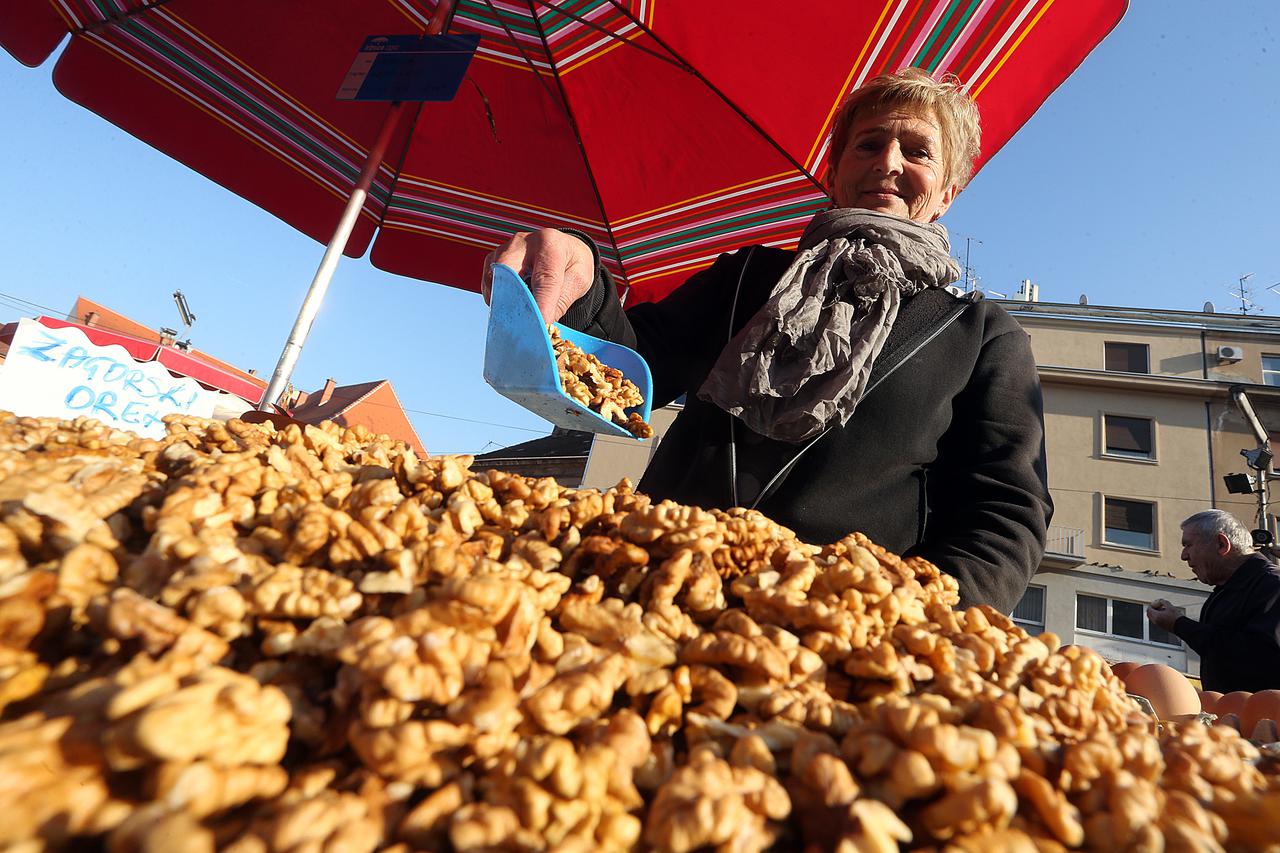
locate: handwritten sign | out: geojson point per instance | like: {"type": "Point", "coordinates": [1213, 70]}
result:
{"type": "Point", "coordinates": [61, 373]}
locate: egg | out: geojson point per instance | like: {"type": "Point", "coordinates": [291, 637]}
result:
{"type": "Point", "coordinates": [1232, 703]}
{"type": "Point", "coordinates": [1209, 701]}
{"type": "Point", "coordinates": [1123, 668]}
{"type": "Point", "coordinates": [1168, 690]}
{"type": "Point", "coordinates": [1263, 705]}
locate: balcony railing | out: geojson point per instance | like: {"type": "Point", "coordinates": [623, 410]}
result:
{"type": "Point", "coordinates": [1065, 543]}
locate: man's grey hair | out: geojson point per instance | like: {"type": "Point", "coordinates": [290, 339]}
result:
{"type": "Point", "coordinates": [1209, 523]}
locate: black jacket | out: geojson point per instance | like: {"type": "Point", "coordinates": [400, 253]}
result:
{"type": "Point", "coordinates": [1238, 635]}
{"type": "Point", "coordinates": [945, 458]}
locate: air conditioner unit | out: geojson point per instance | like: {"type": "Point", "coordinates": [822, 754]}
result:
{"type": "Point", "coordinates": [1227, 353]}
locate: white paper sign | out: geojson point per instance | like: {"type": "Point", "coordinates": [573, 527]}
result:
{"type": "Point", "coordinates": [60, 373]}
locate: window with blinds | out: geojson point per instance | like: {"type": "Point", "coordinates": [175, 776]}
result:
{"type": "Point", "coordinates": [1129, 523]}
{"type": "Point", "coordinates": [1118, 618]}
{"type": "Point", "coordinates": [1126, 358]}
{"type": "Point", "coordinates": [1091, 613]}
{"type": "Point", "coordinates": [1128, 437]}
{"type": "Point", "coordinates": [1030, 610]}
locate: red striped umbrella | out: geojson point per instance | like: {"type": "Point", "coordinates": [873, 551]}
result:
{"type": "Point", "coordinates": [669, 131]}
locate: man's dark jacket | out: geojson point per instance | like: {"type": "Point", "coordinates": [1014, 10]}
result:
{"type": "Point", "coordinates": [944, 458]}
{"type": "Point", "coordinates": [1238, 635]}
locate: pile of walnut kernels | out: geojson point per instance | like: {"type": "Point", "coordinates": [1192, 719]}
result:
{"type": "Point", "coordinates": [247, 639]}
{"type": "Point", "coordinates": [602, 389]}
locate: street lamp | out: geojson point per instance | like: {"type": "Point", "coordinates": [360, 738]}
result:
{"type": "Point", "coordinates": [1259, 459]}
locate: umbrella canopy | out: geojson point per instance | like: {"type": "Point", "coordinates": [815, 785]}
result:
{"type": "Point", "coordinates": [670, 132]}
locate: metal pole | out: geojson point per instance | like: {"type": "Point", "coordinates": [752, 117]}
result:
{"type": "Point", "coordinates": [1264, 485]}
{"type": "Point", "coordinates": [967, 241]}
{"type": "Point", "coordinates": [329, 263]}
{"type": "Point", "coordinates": [333, 252]}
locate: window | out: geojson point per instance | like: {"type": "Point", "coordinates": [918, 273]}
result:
{"type": "Point", "coordinates": [1030, 610]}
{"type": "Point", "coordinates": [1091, 613]}
{"type": "Point", "coordinates": [1271, 369]}
{"type": "Point", "coordinates": [1126, 358]}
{"type": "Point", "coordinates": [1119, 618]}
{"type": "Point", "coordinates": [1127, 619]}
{"type": "Point", "coordinates": [1156, 634]}
{"type": "Point", "coordinates": [1128, 437]}
{"type": "Point", "coordinates": [1129, 523]}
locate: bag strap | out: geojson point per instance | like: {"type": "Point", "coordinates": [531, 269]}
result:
{"type": "Point", "coordinates": [883, 368]}
{"type": "Point", "coordinates": [898, 357]}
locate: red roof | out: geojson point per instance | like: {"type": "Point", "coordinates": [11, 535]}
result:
{"type": "Point", "coordinates": [373, 405]}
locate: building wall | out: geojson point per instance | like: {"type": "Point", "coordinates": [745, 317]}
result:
{"type": "Point", "coordinates": [1186, 474]}
{"type": "Point", "coordinates": [1247, 369]}
{"type": "Point", "coordinates": [1062, 587]}
{"type": "Point", "coordinates": [613, 457]}
{"type": "Point", "coordinates": [567, 470]}
{"type": "Point", "coordinates": [1081, 473]}
{"type": "Point", "coordinates": [1197, 438]}
{"type": "Point", "coordinates": [1073, 343]}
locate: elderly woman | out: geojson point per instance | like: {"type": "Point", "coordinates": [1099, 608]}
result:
{"type": "Point", "coordinates": [841, 387]}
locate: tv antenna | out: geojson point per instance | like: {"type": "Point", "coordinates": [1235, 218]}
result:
{"type": "Point", "coordinates": [970, 280]}
{"type": "Point", "coordinates": [1244, 293]}
{"type": "Point", "coordinates": [184, 310]}
{"type": "Point", "coordinates": [976, 282]}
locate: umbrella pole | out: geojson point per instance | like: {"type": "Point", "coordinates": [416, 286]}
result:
{"type": "Point", "coordinates": [338, 243]}
{"type": "Point", "coordinates": [329, 263]}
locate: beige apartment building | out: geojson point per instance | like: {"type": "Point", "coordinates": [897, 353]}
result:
{"type": "Point", "coordinates": [1140, 431]}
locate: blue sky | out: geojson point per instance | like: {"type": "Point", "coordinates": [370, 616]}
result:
{"type": "Point", "coordinates": [1151, 178]}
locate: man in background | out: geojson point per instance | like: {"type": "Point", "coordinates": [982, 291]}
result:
{"type": "Point", "coordinates": [1238, 633]}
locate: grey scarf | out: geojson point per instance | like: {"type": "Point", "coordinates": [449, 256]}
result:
{"type": "Point", "coordinates": [802, 362]}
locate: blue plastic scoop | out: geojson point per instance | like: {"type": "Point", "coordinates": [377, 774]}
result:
{"type": "Point", "coordinates": [520, 364]}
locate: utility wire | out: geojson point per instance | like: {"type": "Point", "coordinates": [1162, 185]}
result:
{"type": "Point", "coordinates": [456, 418]}
{"type": "Point", "coordinates": [54, 312]}
{"type": "Point", "coordinates": [1128, 495]}
{"type": "Point", "coordinates": [17, 298]}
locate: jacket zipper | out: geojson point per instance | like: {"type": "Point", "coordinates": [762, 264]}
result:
{"type": "Point", "coordinates": [923, 526]}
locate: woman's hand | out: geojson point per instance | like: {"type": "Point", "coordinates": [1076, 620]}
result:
{"type": "Point", "coordinates": [559, 268]}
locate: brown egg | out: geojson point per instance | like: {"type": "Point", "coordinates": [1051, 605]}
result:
{"type": "Point", "coordinates": [1209, 701]}
{"type": "Point", "coordinates": [1168, 690]}
{"type": "Point", "coordinates": [1232, 703]}
{"type": "Point", "coordinates": [1263, 705]}
{"type": "Point", "coordinates": [1123, 668]}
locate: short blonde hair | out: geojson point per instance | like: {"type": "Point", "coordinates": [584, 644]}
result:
{"type": "Point", "coordinates": [956, 114]}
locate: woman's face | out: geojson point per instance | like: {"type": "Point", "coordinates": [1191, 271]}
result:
{"type": "Point", "coordinates": [894, 162]}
